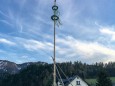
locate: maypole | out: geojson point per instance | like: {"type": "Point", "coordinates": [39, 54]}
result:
{"type": "Point", "coordinates": [55, 18]}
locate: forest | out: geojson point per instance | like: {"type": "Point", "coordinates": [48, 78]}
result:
{"type": "Point", "coordinates": [42, 74]}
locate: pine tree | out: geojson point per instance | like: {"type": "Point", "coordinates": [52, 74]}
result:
{"type": "Point", "coordinates": [103, 79]}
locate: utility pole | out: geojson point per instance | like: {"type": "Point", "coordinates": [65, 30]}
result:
{"type": "Point", "coordinates": [55, 18]}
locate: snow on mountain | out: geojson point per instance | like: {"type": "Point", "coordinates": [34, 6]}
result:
{"type": "Point", "coordinates": [12, 68]}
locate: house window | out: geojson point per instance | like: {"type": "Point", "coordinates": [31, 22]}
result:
{"type": "Point", "coordinates": [77, 82]}
{"type": "Point", "coordinates": [60, 84]}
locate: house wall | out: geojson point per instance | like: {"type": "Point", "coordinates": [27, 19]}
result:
{"type": "Point", "coordinates": [82, 83]}
{"type": "Point", "coordinates": [59, 84]}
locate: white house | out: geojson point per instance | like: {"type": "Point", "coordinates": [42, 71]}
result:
{"type": "Point", "coordinates": [73, 81]}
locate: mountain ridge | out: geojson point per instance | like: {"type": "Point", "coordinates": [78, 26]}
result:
{"type": "Point", "coordinates": [13, 68]}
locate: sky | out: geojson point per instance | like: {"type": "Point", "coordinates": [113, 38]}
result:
{"type": "Point", "coordinates": [86, 33]}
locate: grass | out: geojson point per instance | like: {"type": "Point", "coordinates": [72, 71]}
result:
{"type": "Point", "coordinates": [93, 81]}
{"type": "Point", "coordinates": [112, 79]}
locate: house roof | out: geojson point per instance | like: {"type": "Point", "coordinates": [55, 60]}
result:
{"type": "Point", "coordinates": [67, 81]}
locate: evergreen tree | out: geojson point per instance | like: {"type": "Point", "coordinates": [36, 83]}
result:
{"type": "Point", "coordinates": [103, 79]}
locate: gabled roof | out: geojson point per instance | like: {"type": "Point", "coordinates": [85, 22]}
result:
{"type": "Point", "coordinates": [67, 81]}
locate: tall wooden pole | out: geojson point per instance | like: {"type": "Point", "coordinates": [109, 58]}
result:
{"type": "Point", "coordinates": [54, 18]}
{"type": "Point", "coordinates": [54, 55]}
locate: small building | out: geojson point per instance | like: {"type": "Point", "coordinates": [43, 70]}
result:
{"type": "Point", "coordinates": [73, 81]}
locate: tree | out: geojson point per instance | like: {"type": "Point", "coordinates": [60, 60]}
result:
{"type": "Point", "coordinates": [103, 79]}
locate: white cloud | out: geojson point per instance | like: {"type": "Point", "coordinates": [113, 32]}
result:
{"type": "Point", "coordinates": [2, 40]}
{"type": "Point", "coordinates": [109, 31]}
{"type": "Point", "coordinates": [36, 45]}
{"type": "Point", "coordinates": [91, 49]}
{"type": "Point", "coordinates": [86, 50]}
{"type": "Point", "coordinates": [25, 57]}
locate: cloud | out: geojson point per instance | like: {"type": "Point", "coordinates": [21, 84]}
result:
{"type": "Point", "coordinates": [90, 49]}
{"type": "Point", "coordinates": [30, 21]}
{"type": "Point", "coordinates": [2, 13]}
{"type": "Point", "coordinates": [6, 22]}
{"type": "Point", "coordinates": [69, 48]}
{"type": "Point", "coordinates": [85, 50]}
{"type": "Point", "coordinates": [6, 19]}
{"type": "Point", "coordinates": [5, 41]}
{"type": "Point", "coordinates": [109, 31]}
{"type": "Point", "coordinates": [37, 45]}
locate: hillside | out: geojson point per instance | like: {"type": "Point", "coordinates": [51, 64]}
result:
{"type": "Point", "coordinates": [13, 68]}
{"type": "Point", "coordinates": [40, 74]}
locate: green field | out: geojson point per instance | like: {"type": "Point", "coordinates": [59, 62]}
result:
{"type": "Point", "coordinates": [93, 81]}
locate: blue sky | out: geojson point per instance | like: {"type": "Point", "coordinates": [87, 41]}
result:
{"type": "Point", "coordinates": [87, 32]}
